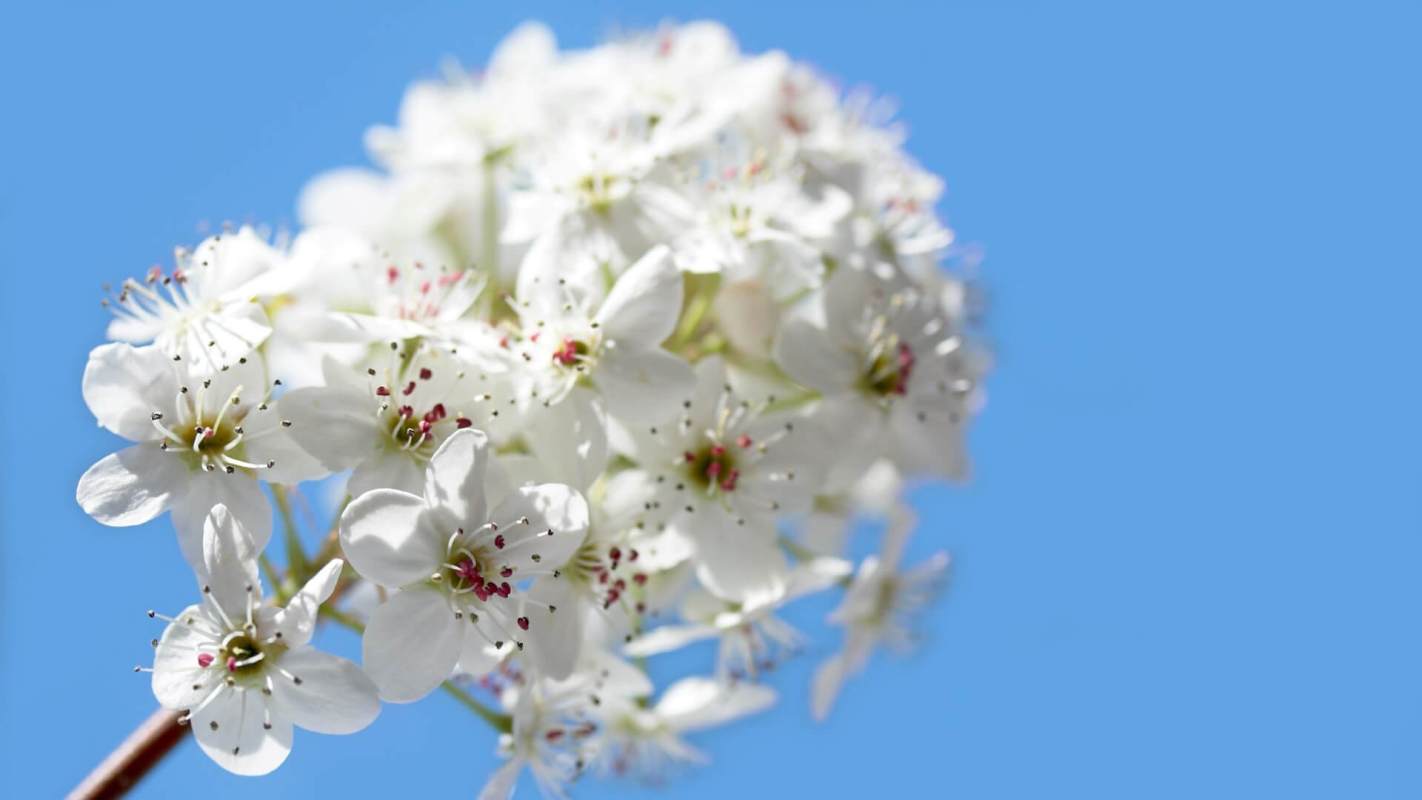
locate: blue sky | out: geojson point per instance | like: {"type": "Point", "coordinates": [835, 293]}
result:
{"type": "Point", "coordinates": [1186, 564]}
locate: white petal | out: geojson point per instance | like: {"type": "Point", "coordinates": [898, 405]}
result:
{"type": "Point", "coordinates": [229, 561]}
{"type": "Point", "coordinates": [390, 469]}
{"type": "Point", "coordinates": [736, 562]}
{"type": "Point", "coordinates": [548, 507]}
{"type": "Point", "coordinates": [555, 638]}
{"type": "Point", "coordinates": [502, 783]}
{"type": "Point", "coordinates": [569, 439]}
{"type": "Point", "coordinates": [334, 696]}
{"type": "Point", "coordinates": [644, 304]}
{"type": "Point", "coordinates": [477, 657]}
{"type": "Point", "coordinates": [824, 689]}
{"type": "Point", "coordinates": [643, 385]}
{"type": "Point", "coordinates": [411, 644]}
{"type": "Point", "coordinates": [298, 620]}
{"type": "Point", "coordinates": [454, 480]}
{"type": "Point", "coordinates": [131, 486]}
{"type": "Point", "coordinates": [335, 424]}
{"type": "Point", "coordinates": [696, 703]}
{"type": "Point", "coordinates": [176, 670]}
{"type": "Point", "coordinates": [230, 730]}
{"type": "Point", "coordinates": [389, 538]}
{"type": "Point", "coordinates": [668, 638]}
{"type": "Point", "coordinates": [125, 385]}
{"type": "Point", "coordinates": [813, 358]}
{"type": "Point", "coordinates": [203, 490]}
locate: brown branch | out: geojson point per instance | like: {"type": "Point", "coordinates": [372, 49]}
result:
{"type": "Point", "coordinates": [138, 754]}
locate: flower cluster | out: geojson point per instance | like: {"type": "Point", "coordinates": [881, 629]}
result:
{"type": "Point", "coordinates": [609, 356]}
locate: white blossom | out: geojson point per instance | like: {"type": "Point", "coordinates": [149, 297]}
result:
{"type": "Point", "coordinates": [244, 671]}
{"type": "Point", "coordinates": [612, 351]}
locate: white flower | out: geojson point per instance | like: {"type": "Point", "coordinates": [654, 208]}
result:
{"type": "Point", "coordinates": [593, 203]}
{"type": "Point", "coordinates": [208, 311]}
{"type": "Point", "coordinates": [758, 224]}
{"type": "Point", "coordinates": [877, 610]}
{"type": "Point", "coordinates": [385, 421]}
{"type": "Point", "coordinates": [244, 671]}
{"type": "Point", "coordinates": [748, 632]}
{"type": "Point", "coordinates": [462, 568]}
{"type": "Point", "coordinates": [896, 374]}
{"type": "Point", "coordinates": [647, 742]}
{"type": "Point", "coordinates": [572, 334]}
{"type": "Point", "coordinates": [200, 441]}
{"type": "Point", "coordinates": [723, 471]}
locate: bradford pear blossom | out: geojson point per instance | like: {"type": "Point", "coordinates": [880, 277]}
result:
{"type": "Point", "coordinates": [244, 671]}
{"type": "Point", "coordinates": [897, 376]}
{"type": "Point", "coordinates": [877, 609]}
{"type": "Point", "coordinates": [385, 421]}
{"type": "Point", "coordinates": [612, 348]}
{"type": "Point", "coordinates": [594, 202]}
{"type": "Point", "coordinates": [200, 441]}
{"type": "Point", "coordinates": [749, 633]}
{"type": "Point", "coordinates": [723, 471]}
{"type": "Point", "coordinates": [573, 334]}
{"type": "Point", "coordinates": [647, 742]}
{"type": "Point", "coordinates": [462, 561]}
{"type": "Point", "coordinates": [208, 310]}
{"type": "Point", "coordinates": [758, 223]}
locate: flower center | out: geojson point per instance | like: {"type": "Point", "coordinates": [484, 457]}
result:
{"type": "Point", "coordinates": [714, 467]}
{"type": "Point", "coordinates": [240, 655]}
{"type": "Point", "coordinates": [890, 370]}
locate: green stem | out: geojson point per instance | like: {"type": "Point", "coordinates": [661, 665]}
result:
{"type": "Point", "coordinates": [797, 550]}
{"type": "Point", "coordinates": [502, 723]}
{"type": "Point", "coordinates": [297, 569]}
{"type": "Point", "coordinates": [273, 577]}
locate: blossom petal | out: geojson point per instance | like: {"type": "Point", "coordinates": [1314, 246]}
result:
{"type": "Point", "coordinates": [125, 385]}
{"type": "Point", "coordinates": [548, 507]}
{"type": "Point", "coordinates": [411, 644]}
{"type": "Point", "coordinates": [668, 638]}
{"type": "Point", "coordinates": [229, 563]}
{"type": "Point", "coordinates": [502, 783]}
{"type": "Point", "coordinates": [231, 729]}
{"type": "Point", "coordinates": [737, 562]}
{"type": "Point", "coordinates": [808, 354]}
{"type": "Point", "coordinates": [298, 620]}
{"type": "Point", "coordinates": [389, 538]}
{"type": "Point", "coordinates": [554, 637]}
{"type": "Point", "coordinates": [334, 696]}
{"type": "Point", "coordinates": [332, 423]}
{"type": "Point", "coordinates": [130, 487]}
{"type": "Point", "coordinates": [454, 480]}
{"type": "Point", "coordinates": [179, 681]}
{"type": "Point", "coordinates": [695, 703]}
{"type": "Point", "coordinates": [825, 687]}
{"type": "Point", "coordinates": [570, 439]}
{"type": "Point", "coordinates": [644, 385]}
{"type": "Point", "coordinates": [644, 304]}
{"type": "Point", "coordinates": [203, 490]}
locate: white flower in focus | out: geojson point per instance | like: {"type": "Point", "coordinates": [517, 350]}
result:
{"type": "Point", "coordinates": [647, 742]}
{"type": "Point", "coordinates": [385, 421]}
{"type": "Point", "coordinates": [723, 471]}
{"type": "Point", "coordinates": [572, 334]}
{"type": "Point", "coordinates": [749, 633]}
{"type": "Point", "coordinates": [462, 562]}
{"type": "Point", "coordinates": [208, 311]}
{"type": "Point", "coordinates": [877, 610]}
{"type": "Point", "coordinates": [200, 441]}
{"type": "Point", "coordinates": [244, 671]}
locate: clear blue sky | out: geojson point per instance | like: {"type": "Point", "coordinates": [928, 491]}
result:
{"type": "Point", "coordinates": [1188, 562]}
